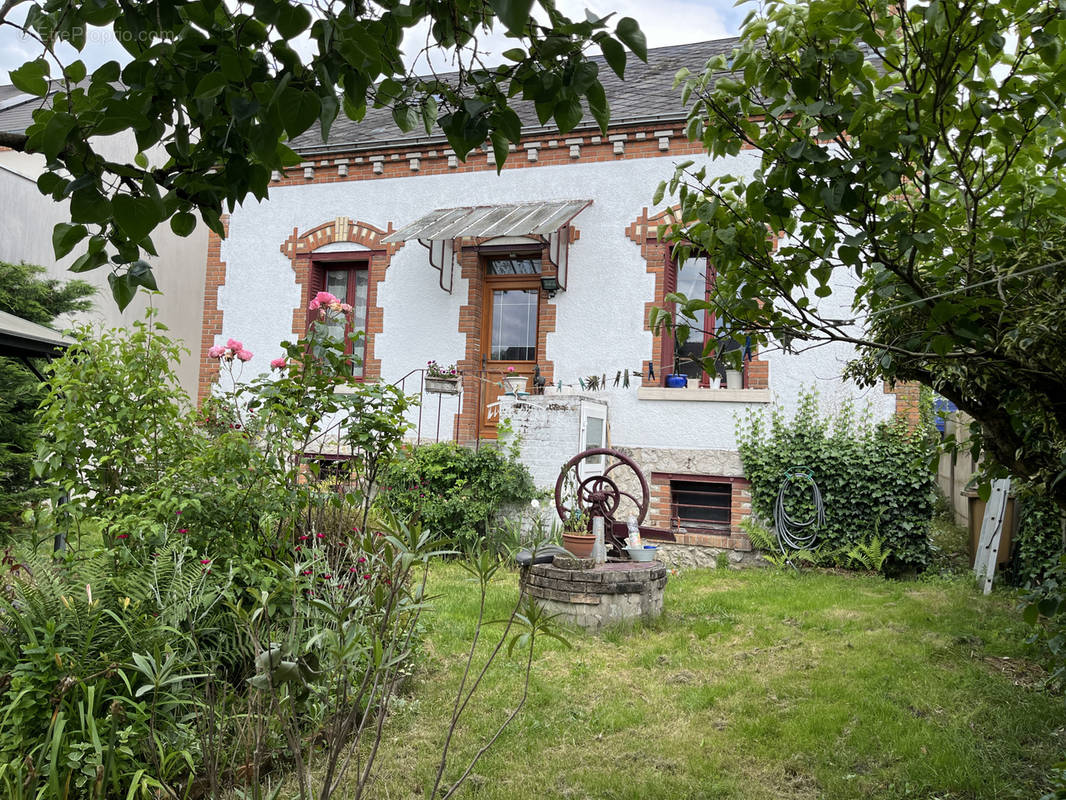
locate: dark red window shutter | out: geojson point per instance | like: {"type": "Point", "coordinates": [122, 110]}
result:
{"type": "Point", "coordinates": [316, 280]}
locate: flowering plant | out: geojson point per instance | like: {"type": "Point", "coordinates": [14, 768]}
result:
{"type": "Point", "coordinates": [231, 350]}
{"type": "Point", "coordinates": [324, 301]}
{"type": "Point", "coordinates": [435, 370]}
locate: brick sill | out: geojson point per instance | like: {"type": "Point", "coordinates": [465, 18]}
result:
{"type": "Point", "coordinates": [702, 395]}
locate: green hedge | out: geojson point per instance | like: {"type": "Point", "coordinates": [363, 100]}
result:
{"type": "Point", "coordinates": [1038, 542]}
{"type": "Point", "coordinates": [875, 480]}
{"type": "Point", "coordinates": [454, 491]}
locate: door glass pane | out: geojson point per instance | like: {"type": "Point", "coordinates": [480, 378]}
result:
{"type": "Point", "coordinates": [593, 438]}
{"type": "Point", "coordinates": [514, 266]}
{"type": "Point", "coordinates": [514, 325]}
{"type": "Point", "coordinates": [692, 282]}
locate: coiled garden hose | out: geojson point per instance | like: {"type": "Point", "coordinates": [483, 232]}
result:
{"type": "Point", "coordinates": [793, 535]}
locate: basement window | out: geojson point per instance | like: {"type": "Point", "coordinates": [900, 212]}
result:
{"type": "Point", "coordinates": [701, 505]}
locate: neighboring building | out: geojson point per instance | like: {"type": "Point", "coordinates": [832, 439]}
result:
{"type": "Point", "coordinates": [29, 216]}
{"type": "Point", "coordinates": [567, 210]}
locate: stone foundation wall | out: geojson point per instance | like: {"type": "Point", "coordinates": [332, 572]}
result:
{"type": "Point", "coordinates": [683, 556]}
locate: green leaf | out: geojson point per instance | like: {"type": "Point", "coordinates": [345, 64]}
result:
{"type": "Point", "coordinates": [293, 19]}
{"type": "Point", "coordinates": [630, 33]}
{"type": "Point", "coordinates": [31, 77]}
{"type": "Point", "coordinates": [75, 71]}
{"type": "Point", "coordinates": [136, 216]}
{"type": "Point", "coordinates": [615, 55]}
{"type": "Point", "coordinates": [500, 149]}
{"type": "Point", "coordinates": [328, 114]}
{"type": "Point", "coordinates": [140, 274]}
{"type": "Point", "coordinates": [65, 236]}
{"type": "Point", "coordinates": [121, 290]}
{"type": "Point", "coordinates": [211, 85]}
{"type": "Point", "coordinates": [299, 110]}
{"type": "Point", "coordinates": [597, 99]}
{"type": "Point", "coordinates": [514, 14]}
{"type": "Point", "coordinates": [183, 223]}
{"type": "Point", "coordinates": [567, 114]}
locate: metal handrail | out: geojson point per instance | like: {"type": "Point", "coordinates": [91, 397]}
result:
{"type": "Point", "coordinates": [400, 383]}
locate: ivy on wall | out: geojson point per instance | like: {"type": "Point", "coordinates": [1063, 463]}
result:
{"type": "Point", "coordinates": [875, 479]}
{"type": "Point", "coordinates": [1039, 540]}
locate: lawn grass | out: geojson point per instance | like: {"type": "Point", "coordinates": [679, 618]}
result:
{"type": "Point", "coordinates": [753, 684]}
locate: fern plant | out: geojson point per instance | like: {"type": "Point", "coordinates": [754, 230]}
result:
{"type": "Point", "coordinates": [870, 555]}
{"type": "Point", "coordinates": [102, 691]}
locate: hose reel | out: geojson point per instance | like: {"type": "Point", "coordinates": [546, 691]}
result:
{"type": "Point", "coordinates": [795, 535]}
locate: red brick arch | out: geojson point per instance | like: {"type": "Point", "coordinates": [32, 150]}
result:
{"type": "Point", "coordinates": [299, 247]}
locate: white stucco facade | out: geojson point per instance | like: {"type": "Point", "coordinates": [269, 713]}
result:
{"type": "Point", "coordinates": [599, 320]}
{"type": "Point", "coordinates": [29, 218]}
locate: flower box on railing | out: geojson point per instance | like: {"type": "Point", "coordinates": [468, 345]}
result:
{"type": "Point", "coordinates": [439, 385]}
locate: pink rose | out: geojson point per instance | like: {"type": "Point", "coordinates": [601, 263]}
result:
{"type": "Point", "coordinates": [322, 299]}
{"type": "Point", "coordinates": [244, 355]}
{"type": "Point", "coordinates": [278, 363]}
{"type": "Point", "coordinates": [216, 352]}
{"type": "Point", "coordinates": [347, 309]}
{"type": "Point", "coordinates": [234, 345]}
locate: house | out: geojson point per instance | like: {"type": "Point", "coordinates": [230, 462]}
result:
{"type": "Point", "coordinates": [29, 217]}
{"type": "Point", "coordinates": [549, 268]}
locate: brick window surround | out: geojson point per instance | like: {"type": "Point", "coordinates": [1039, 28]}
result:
{"type": "Point", "coordinates": [643, 231]}
{"type": "Point", "coordinates": [663, 510]}
{"type": "Point", "coordinates": [306, 265]}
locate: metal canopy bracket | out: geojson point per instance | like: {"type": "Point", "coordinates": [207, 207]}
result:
{"type": "Point", "coordinates": [549, 221]}
{"type": "Point", "coordinates": [559, 253]}
{"type": "Point", "coordinates": [442, 259]}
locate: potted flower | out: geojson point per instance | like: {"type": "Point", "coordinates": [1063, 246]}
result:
{"type": "Point", "coordinates": [576, 536]}
{"type": "Point", "coordinates": [441, 380]}
{"type": "Point", "coordinates": [513, 384]}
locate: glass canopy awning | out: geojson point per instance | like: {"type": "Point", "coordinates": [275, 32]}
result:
{"type": "Point", "coordinates": [548, 221]}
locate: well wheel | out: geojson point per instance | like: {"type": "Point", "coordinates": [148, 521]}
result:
{"type": "Point", "coordinates": [599, 483]}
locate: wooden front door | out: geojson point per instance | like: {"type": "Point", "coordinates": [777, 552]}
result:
{"type": "Point", "coordinates": [509, 331]}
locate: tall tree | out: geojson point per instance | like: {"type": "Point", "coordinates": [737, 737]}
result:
{"type": "Point", "coordinates": [908, 200]}
{"type": "Point", "coordinates": [220, 88]}
{"type": "Point", "coordinates": [26, 294]}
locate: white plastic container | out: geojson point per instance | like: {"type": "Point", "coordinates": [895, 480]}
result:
{"type": "Point", "coordinates": [646, 553]}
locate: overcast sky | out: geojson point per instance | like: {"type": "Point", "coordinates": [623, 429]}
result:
{"type": "Point", "coordinates": [664, 22]}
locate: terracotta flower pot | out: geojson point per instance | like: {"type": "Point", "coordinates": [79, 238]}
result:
{"type": "Point", "coordinates": [580, 544]}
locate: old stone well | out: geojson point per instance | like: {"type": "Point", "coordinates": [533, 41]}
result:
{"type": "Point", "coordinates": [611, 587]}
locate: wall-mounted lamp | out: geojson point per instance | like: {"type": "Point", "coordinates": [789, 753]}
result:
{"type": "Point", "coordinates": [550, 284]}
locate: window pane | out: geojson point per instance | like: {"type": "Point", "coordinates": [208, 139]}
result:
{"type": "Point", "coordinates": [336, 285]}
{"type": "Point", "coordinates": [514, 266]}
{"type": "Point", "coordinates": [692, 282]}
{"type": "Point", "coordinates": [362, 284]}
{"type": "Point", "coordinates": [594, 438]}
{"type": "Point", "coordinates": [514, 325]}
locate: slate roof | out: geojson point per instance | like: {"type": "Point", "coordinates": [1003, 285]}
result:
{"type": "Point", "coordinates": [17, 107]}
{"type": "Point", "coordinates": [647, 94]}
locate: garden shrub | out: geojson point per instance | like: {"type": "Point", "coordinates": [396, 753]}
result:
{"type": "Point", "coordinates": [1038, 542]}
{"type": "Point", "coordinates": [220, 615]}
{"type": "Point", "coordinates": [875, 480]}
{"type": "Point", "coordinates": [455, 491]}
